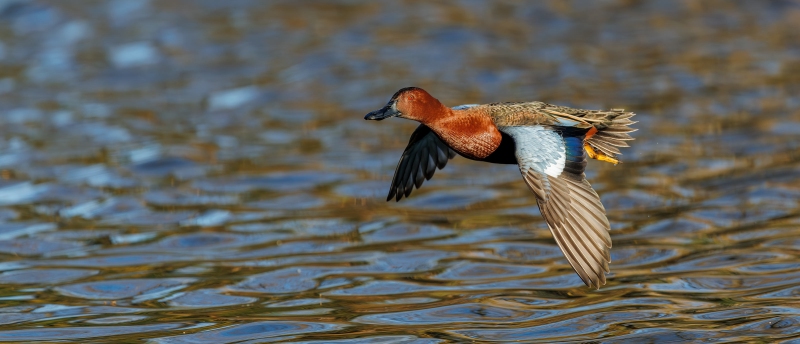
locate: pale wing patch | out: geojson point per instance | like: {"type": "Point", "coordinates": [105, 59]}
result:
{"type": "Point", "coordinates": [538, 149]}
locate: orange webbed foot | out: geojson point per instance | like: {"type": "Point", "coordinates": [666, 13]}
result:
{"type": "Point", "coordinates": [599, 155]}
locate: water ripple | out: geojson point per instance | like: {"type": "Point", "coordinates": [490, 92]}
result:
{"type": "Point", "coordinates": [485, 235]}
{"type": "Point", "coordinates": [17, 229]}
{"type": "Point", "coordinates": [405, 262]}
{"type": "Point", "coordinates": [208, 241]}
{"type": "Point", "coordinates": [120, 260]}
{"type": "Point", "coordinates": [290, 280]}
{"type": "Point", "coordinates": [629, 257]}
{"type": "Point", "coordinates": [467, 271]}
{"type": "Point", "coordinates": [44, 276]}
{"type": "Point", "coordinates": [467, 313]}
{"type": "Point", "coordinates": [55, 334]}
{"type": "Point", "coordinates": [137, 289]}
{"type": "Point", "coordinates": [166, 166]}
{"type": "Point", "coordinates": [264, 330]}
{"type": "Point", "coordinates": [188, 198]}
{"type": "Point", "coordinates": [375, 340]}
{"type": "Point", "coordinates": [517, 252]}
{"type": "Point", "coordinates": [210, 163]}
{"type": "Point", "coordinates": [33, 247]}
{"type": "Point", "coordinates": [721, 261]}
{"type": "Point", "coordinates": [582, 326]}
{"type": "Point", "coordinates": [208, 298]}
{"type": "Point", "coordinates": [726, 283]}
{"type": "Point", "coordinates": [116, 319]}
{"type": "Point", "coordinates": [403, 232]}
{"type": "Point", "coordinates": [293, 181]}
{"type": "Point", "coordinates": [293, 248]}
{"type": "Point", "coordinates": [385, 288]}
{"type": "Point", "coordinates": [453, 199]}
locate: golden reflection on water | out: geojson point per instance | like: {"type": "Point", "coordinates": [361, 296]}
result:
{"type": "Point", "coordinates": [200, 172]}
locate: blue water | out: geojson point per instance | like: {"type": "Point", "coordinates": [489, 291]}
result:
{"type": "Point", "coordinates": [200, 172]}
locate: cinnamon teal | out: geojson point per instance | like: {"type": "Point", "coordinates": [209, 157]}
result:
{"type": "Point", "coordinates": [550, 144]}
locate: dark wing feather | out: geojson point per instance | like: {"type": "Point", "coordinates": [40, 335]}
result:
{"type": "Point", "coordinates": [424, 153]}
{"type": "Point", "coordinates": [553, 166]}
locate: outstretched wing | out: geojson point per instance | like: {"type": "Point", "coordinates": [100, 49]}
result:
{"type": "Point", "coordinates": [424, 153]}
{"type": "Point", "coordinates": [553, 166]}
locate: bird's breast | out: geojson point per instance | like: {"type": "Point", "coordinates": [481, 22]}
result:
{"type": "Point", "coordinates": [473, 138]}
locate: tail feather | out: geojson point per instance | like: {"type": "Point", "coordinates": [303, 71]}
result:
{"type": "Point", "coordinates": [613, 133]}
{"type": "Point", "coordinates": [611, 130]}
{"type": "Point", "coordinates": [615, 136]}
{"type": "Point", "coordinates": [606, 148]}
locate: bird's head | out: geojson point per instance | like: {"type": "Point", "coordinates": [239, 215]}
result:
{"type": "Point", "coordinates": [411, 103]}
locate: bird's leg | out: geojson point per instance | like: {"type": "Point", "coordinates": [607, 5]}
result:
{"type": "Point", "coordinates": [599, 155]}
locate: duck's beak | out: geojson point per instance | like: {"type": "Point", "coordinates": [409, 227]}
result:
{"type": "Point", "coordinates": [390, 110]}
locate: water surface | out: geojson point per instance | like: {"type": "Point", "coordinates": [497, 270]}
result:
{"type": "Point", "coordinates": [200, 172]}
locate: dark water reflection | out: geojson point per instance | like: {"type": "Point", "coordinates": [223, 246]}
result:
{"type": "Point", "coordinates": [199, 172]}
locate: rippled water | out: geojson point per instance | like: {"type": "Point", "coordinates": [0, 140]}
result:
{"type": "Point", "coordinates": [200, 172]}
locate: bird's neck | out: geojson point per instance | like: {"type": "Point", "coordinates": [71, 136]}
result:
{"type": "Point", "coordinates": [470, 132]}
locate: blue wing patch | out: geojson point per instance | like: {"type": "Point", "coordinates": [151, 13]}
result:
{"type": "Point", "coordinates": [576, 156]}
{"type": "Point", "coordinates": [566, 122]}
{"type": "Point", "coordinates": [464, 107]}
{"type": "Point", "coordinates": [574, 147]}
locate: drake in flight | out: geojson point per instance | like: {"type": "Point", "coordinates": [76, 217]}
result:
{"type": "Point", "coordinates": [550, 144]}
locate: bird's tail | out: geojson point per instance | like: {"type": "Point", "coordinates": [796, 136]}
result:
{"type": "Point", "coordinates": [603, 141]}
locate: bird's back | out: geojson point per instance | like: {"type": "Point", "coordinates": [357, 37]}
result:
{"type": "Point", "coordinates": [612, 126]}
{"type": "Point", "coordinates": [540, 113]}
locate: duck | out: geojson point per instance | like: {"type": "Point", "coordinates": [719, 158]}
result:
{"type": "Point", "coordinates": [549, 143]}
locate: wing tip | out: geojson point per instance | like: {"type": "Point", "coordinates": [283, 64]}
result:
{"type": "Point", "coordinates": [596, 281]}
